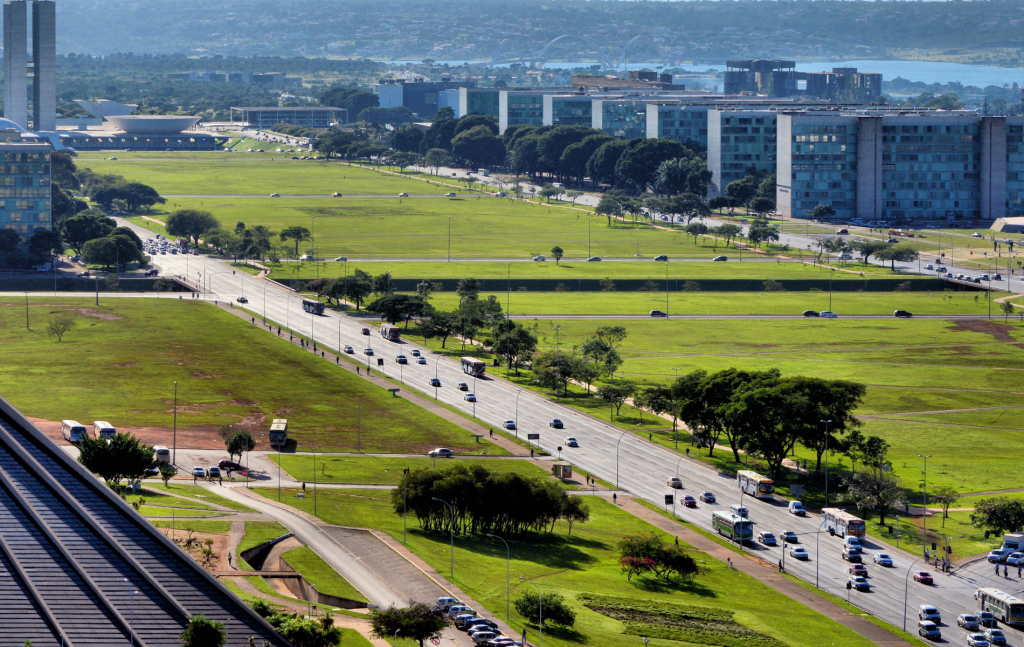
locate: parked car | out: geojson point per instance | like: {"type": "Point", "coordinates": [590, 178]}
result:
{"type": "Point", "coordinates": [766, 538]}
{"type": "Point", "coordinates": [213, 472]}
{"type": "Point", "coordinates": [443, 604]}
{"type": "Point", "coordinates": [798, 552]}
{"type": "Point", "coordinates": [882, 559]}
{"type": "Point", "coordinates": [440, 452]}
{"type": "Point", "coordinates": [198, 472]}
{"type": "Point", "coordinates": [707, 497]}
{"type": "Point", "coordinates": [556, 423]}
{"type": "Point", "coordinates": [509, 424]}
{"type": "Point", "coordinates": [924, 577]}
{"type": "Point", "coordinates": [902, 313]}
{"type": "Point", "coordinates": [720, 258]}
{"type": "Point", "coordinates": [661, 257]}
{"type": "Point", "coordinates": [570, 441]}
{"type": "Point", "coordinates": [967, 621]}
{"type": "Point", "coordinates": [675, 483]}
{"type": "Point", "coordinates": [229, 465]}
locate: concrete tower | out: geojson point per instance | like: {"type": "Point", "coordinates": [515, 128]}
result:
{"type": "Point", "coordinates": [44, 61]}
{"type": "Point", "coordinates": [16, 62]}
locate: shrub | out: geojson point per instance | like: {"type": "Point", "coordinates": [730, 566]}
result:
{"type": "Point", "coordinates": [551, 608]}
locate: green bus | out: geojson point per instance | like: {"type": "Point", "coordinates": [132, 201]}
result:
{"type": "Point", "coordinates": [733, 526]}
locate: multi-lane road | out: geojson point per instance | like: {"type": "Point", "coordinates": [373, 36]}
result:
{"type": "Point", "coordinates": [635, 465]}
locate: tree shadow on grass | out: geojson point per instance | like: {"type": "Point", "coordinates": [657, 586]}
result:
{"type": "Point", "coordinates": [567, 634]}
{"type": "Point", "coordinates": [556, 552]}
{"type": "Point", "coordinates": [658, 585]}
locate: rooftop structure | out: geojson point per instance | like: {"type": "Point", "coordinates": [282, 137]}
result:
{"type": "Point", "coordinates": [105, 108]}
{"type": "Point", "coordinates": [152, 124]}
{"type": "Point", "coordinates": [79, 566]}
{"type": "Point", "coordinates": [44, 64]}
{"type": "Point", "coordinates": [420, 96]}
{"type": "Point", "coordinates": [312, 117]}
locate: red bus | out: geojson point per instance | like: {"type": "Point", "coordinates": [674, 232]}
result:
{"type": "Point", "coordinates": [473, 366]}
{"type": "Point", "coordinates": [389, 332]}
{"type": "Point", "coordinates": [315, 307]}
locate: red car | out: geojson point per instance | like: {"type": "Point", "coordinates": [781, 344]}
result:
{"type": "Point", "coordinates": [858, 569]}
{"type": "Point", "coordinates": [924, 577]}
{"type": "Point", "coordinates": [689, 501]}
{"type": "Point", "coordinates": [365, 331]}
{"type": "Point", "coordinates": [229, 465]}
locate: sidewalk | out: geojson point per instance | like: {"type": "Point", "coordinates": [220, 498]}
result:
{"type": "Point", "coordinates": [766, 574]}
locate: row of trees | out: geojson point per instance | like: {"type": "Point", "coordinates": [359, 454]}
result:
{"type": "Point", "coordinates": [485, 501]}
{"type": "Point", "coordinates": [115, 192]}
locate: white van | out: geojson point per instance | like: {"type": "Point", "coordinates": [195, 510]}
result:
{"type": "Point", "coordinates": [797, 508]}
{"type": "Point", "coordinates": [853, 543]}
{"type": "Point", "coordinates": [740, 511]}
{"type": "Point", "coordinates": [161, 454]}
{"type": "Point", "coordinates": [101, 429]}
{"type": "Point", "coordinates": [74, 432]}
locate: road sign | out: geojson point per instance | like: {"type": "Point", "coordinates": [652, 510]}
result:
{"type": "Point", "coordinates": [533, 436]}
{"type": "Point", "coordinates": [380, 361]}
{"type": "Point", "coordinates": [669, 499]}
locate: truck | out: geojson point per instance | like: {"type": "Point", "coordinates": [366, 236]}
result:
{"type": "Point", "coordinates": [1013, 542]}
{"type": "Point", "coordinates": [279, 432]}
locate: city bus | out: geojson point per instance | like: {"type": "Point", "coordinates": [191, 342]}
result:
{"type": "Point", "coordinates": [755, 484]}
{"type": "Point", "coordinates": [315, 307]}
{"type": "Point", "coordinates": [1005, 607]}
{"type": "Point", "coordinates": [473, 366]}
{"type": "Point", "coordinates": [842, 523]}
{"type": "Point", "coordinates": [733, 526]}
{"type": "Point", "coordinates": [279, 432]}
{"type": "Point", "coordinates": [389, 332]}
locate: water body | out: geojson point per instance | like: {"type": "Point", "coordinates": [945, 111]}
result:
{"type": "Point", "coordinates": [925, 71]}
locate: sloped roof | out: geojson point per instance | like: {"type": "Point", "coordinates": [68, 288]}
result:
{"type": "Point", "coordinates": [72, 553]}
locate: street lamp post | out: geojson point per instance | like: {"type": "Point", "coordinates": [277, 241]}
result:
{"type": "Point", "coordinates": [817, 554]}
{"type": "Point", "coordinates": [540, 612]}
{"type": "Point", "coordinates": [131, 625]}
{"type": "Point", "coordinates": [666, 288]}
{"type": "Point", "coordinates": [517, 412]}
{"type": "Point", "coordinates": [452, 529]}
{"type": "Point", "coordinates": [436, 381]}
{"type": "Point", "coordinates": [826, 423]}
{"type": "Point", "coordinates": [174, 437]}
{"type": "Point", "coordinates": [508, 581]}
{"type": "Point", "coordinates": [924, 517]}
{"type": "Point", "coordinates": [617, 458]}
{"type": "Point", "coordinates": [906, 586]}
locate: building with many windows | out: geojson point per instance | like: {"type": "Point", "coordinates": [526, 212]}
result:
{"type": "Point", "coordinates": [738, 141]}
{"type": "Point", "coordinates": [24, 184]}
{"type": "Point", "coordinates": [315, 117]}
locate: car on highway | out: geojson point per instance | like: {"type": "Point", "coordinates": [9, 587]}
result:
{"type": "Point", "coordinates": [556, 423]}
{"type": "Point", "coordinates": [929, 612]}
{"type": "Point", "coordinates": [364, 331]}
{"type": "Point", "coordinates": [977, 640]}
{"type": "Point", "coordinates": [985, 277]}
{"type": "Point", "coordinates": [349, 350]}
{"type": "Point", "coordinates": [198, 472]}
{"type": "Point", "coordinates": [469, 397]}
{"type": "Point", "coordinates": [440, 452]}
{"type": "Point", "coordinates": [797, 508]}
{"type": "Point", "coordinates": [854, 543]}
{"type": "Point", "coordinates": [858, 569]}
{"type": "Point", "coordinates": [229, 465]}
{"type": "Point", "coordinates": [968, 621]}
{"type": "Point", "coordinates": [539, 258]}
{"type": "Point", "coordinates": [675, 483]}
{"type": "Point", "coordinates": [998, 555]}
{"type": "Point", "coordinates": [789, 537]}
{"type": "Point", "coordinates": [415, 352]}
{"type": "Point", "coordinates": [924, 577]}
{"type": "Point", "coordinates": [570, 441]}
{"type": "Point", "coordinates": [435, 382]}
{"type": "Point", "coordinates": [882, 559]}
{"type": "Point", "coordinates": [929, 266]}
{"type": "Point", "coordinates": [851, 555]}
{"type": "Point", "coordinates": [367, 351]}
{"type": "Point", "coordinates": [811, 313]}
{"type": "Point", "coordinates": [275, 195]}
{"type": "Point", "coordinates": [1015, 558]}
{"type": "Point", "coordinates": [798, 552]}
{"type": "Point", "coordinates": [976, 235]}
{"type": "Point", "coordinates": [689, 501]}
{"type": "Point", "coordinates": [940, 268]}
{"type": "Point", "coordinates": [462, 386]}
{"type": "Point", "coordinates": [593, 259]}
{"type": "Point", "coordinates": [341, 259]}
{"type": "Point", "coordinates": [767, 538]}
{"type": "Point", "coordinates": [995, 636]}
{"type": "Point", "coordinates": [707, 497]}
{"type": "Point", "coordinates": [402, 359]}
{"type": "Point", "coordinates": [509, 424]}
{"type": "Point", "coordinates": [985, 619]}
{"type": "Point", "coordinates": [661, 257]}
{"type": "Point", "coordinates": [84, 274]}
{"type": "Point", "coordinates": [242, 300]}
{"type": "Point", "coordinates": [949, 275]}
{"type": "Point", "coordinates": [929, 630]}
{"type": "Point", "coordinates": [449, 195]}
{"type": "Point", "coordinates": [421, 360]}
{"type": "Point", "coordinates": [658, 313]}
{"type": "Point", "coordinates": [403, 195]}
{"type": "Point", "coordinates": [828, 314]}
{"type": "Point", "coordinates": [335, 195]}
{"type": "Point", "coordinates": [859, 583]}
{"type": "Point", "coordinates": [720, 258]}
{"type": "Point", "coordinates": [902, 313]}
{"type": "Point", "coordinates": [997, 277]}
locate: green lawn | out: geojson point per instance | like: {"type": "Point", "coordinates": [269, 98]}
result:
{"type": "Point", "coordinates": [375, 470]}
{"type": "Point", "coordinates": [150, 511]}
{"type": "Point", "coordinates": [160, 497]}
{"type": "Point", "coordinates": [212, 527]}
{"type": "Point", "coordinates": [320, 574]}
{"type": "Point", "coordinates": [182, 488]}
{"type": "Point", "coordinates": [585, 562]}
{"type": "Point", "coordinates": [256, 533]}
{"type": "Point", "coordinates": [122, 360]}
{"type": "Point", "coordinates": [730, 303]}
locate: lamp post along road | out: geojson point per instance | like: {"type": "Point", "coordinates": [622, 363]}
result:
{"type": "Point", "coordinates": [924, 510]}
{"type": "Point", "coordinates": [826, 423]}
{"type": "Point", "coordinates": [540, 612]}
{"type": "Point", "coordinates": [508, 581]}
{"type": "Point", "coordinates": [452, 528]}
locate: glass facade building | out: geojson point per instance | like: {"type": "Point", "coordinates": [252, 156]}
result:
{"type": "Point", "coordinates": [625, 118]}
{"type": "Point", "coordinates": [687, 124]}
{"type": "Point", "coordinates": [571, 110]}
{"type": "Point", "coordinates": [1015, 167]}
{"type": "Point", "coordinates": [821, 164]}
{"type": "Point", "coordinates": [24, 187]}
{"type": "Point", "coordinates": [516, 108]}
{"type": "Point", "coordinates": [739, 140]}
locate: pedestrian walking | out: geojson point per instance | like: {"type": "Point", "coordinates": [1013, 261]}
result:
{"type": "Point", "coordinates": [615, 498]}
{"type": "Point", "coordinates": [1019, 567]}
{"type": "Point", "coordinates": [531, 452]}
{"type": "Point", "coordinates": [780, 565]}
{"type": "Point", "coordinates": [927, 554]}
{"type": "Point", "coordinates": [1006, 571]}
{"type": "Point", "coordinates": [997, 569]}
{"type": "Point", "coordinates": [303, 486]}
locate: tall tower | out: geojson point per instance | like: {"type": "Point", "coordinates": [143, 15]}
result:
{"type": "Point", "coordinates": [44, 61]}
{"type": "Point", "coordinates": [16, 62]}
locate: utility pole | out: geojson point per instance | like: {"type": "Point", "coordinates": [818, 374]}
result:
{"type": "Point", "coordinates": [924, 518]}
{"type": "Point", "coordinates": [174, 455]}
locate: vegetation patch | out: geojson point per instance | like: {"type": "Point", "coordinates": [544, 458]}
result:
{"type": "Point", "coordinates": [682, 622]}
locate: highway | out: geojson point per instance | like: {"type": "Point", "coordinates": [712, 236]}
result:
{"type": "Point", "coordinates": [635, 465]}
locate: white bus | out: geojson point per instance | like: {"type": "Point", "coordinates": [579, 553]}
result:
{"type": "Point", "coordinates": [473, 366]}
{"type": "Point", "coordinates": [279, 432]}
{"type": "Point", "coordinates": [842, 523]}
{"type": "Point", "coordinates": [74, 432]}
{"type": "Point", "coordinates": [1005, 607]}
{"type": "Point", "coordinates": [733, 526]}
{"type": "Point", "coordinates": [103, 429]}
{"type": "Point", "coordinates": [755, 484]}
{"type": "Point", "coordinates": [161, 454]}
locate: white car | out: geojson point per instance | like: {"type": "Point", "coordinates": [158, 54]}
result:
{"type": "Point", "coordinates": [198, 472]}
{"type": "Point", "coordinates": [798, 552]}
{"type": "Point", "coordinates": [349, 350]}
{"type": "Point", "coordinates": [421, 360]}
{"type": "Point", "coordinates": [449, 195]}
{"type": "Point", "coordinates": [828, 314]}
{"type": "Point", "coordinates": [882, 559]}
{"type": "Point", "coordinates": [766, 538]}
{"type": "Point", "coordinates": [403, 195]}
{"type": "Point", "coordinates": [1015, 559]}
{"type": "Point", "coordinates": [571, 441]}
{"type": "Point", "coordinates": [509, 424]}
{"type": "Point", "coordinates": [440, 452]}
{"type": "Point", "coordinates": [415, 352]}
{"type": "Point", "coordinates": [469, 397]}
{"type": "Point", "coordinates": [976, 235]}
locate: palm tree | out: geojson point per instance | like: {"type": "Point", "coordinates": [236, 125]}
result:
{"type": "Point", "coordinates": [203, 632]}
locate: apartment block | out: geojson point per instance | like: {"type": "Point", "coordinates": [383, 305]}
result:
{"type": "Point", "coordinates": [739, 140]}
{"type": "Point", "coordinates": [24, 185]}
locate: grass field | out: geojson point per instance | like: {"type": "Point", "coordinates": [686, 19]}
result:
{"type": "Point", "coordinates": [181, 526]}
{"type": "Point", "coordinates": [585, 562]}
{"type": "Point", "coordinates": [320, 574]}
{"type": "Point", "coordinates": [729, 303]}
{"type": "Point", "coordinates": [375, 470]}
{"type": "Point", "coordinates": [122, 360]}
{"type": "Point", "coordinates": [181, 488]}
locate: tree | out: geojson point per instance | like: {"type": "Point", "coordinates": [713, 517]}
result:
{"type": "Point", "coordinates": [402, 160]}
{"type": "Point", "coordinates": [86, 226]}
{"type": "Point", "coordinates": [710, 403]}
{"type": "Point", "coordinates": [298, 234]}
{"type": "Point", "coordinates": [43, 243]}
{"type": "Point", "coordinates": [134, 194]}
{"type": "Point", "coordinates": [875, 491]}
{"type": "Point", "coordinates": [468, 288]}
{"type": "Point", "coordinates": [643, 552]}
{"type": "Point", "coordinates": [867, 248]}
{"type": "Point", "coordinates": [399, 307]}
{"type": "Point", "coordinates": [9, 240]}
{"type": "Point", "coordinates": [550, 191]}
{"type": "Point", "coordinates": [1007, 309]}
{"type": "Point", "coordinates": [359, 287]}
{"type": "Point", "coordinates": [395, 115]}
{"type": "Point", "coordinates": [760, 231]}
{"type": "Point", "coordinates": [191, 223]}
{"type": "Point", "coordinates": [683, 175]}
{"type": "Point", "coordinates": [896, 253]}
{"type": "Point", "coordinates": [573, 161]}
{"type": "Point", "coordinates": [719, 202]}
{"type": "Point", "coordinates": [60, 325]}
{"type": "Point", "coordinates": [549, 608]}
{"type": "Point", "coordinates": [473, 120]}
{"type": "Point", "coordinates": [239, 443]}
{"type": "Point", "coordinates": [435, 158]}
{"type": "Point", "coordinates": [818, 400]}
{"type": "Point", "coordinates": [416, 622]}
{"type": "Point", "coordinates": [946, 496]}
{"type": "Point", "coordinates": [110, 250]}
{"type": "Point", "coordinates": [696, 229]}
{"type": "Point", "coordinates": [741, 192]}
{"type": "Point", "coordinates": [307, 632]}
{"type": "Point", "coordinates": [573, 196]}
{"type": "Point", "coordinates": [617, 393]}
{"type": "Point", "coordinates": [601, 165]}
{"type": "Point", "coordinates": [351, 99]}
{"type": "Point", "coordinates": [610, 205]}
{"type": "Point", "coordinates": [761, 205]}
{"type": "Point", "coordinates": [728, 231]}
{"type": "Point", "coordinates": [759, 417]}
{"type": "Point", "coordinates": [440, 324]}
{"type": "Point", "coordinates": [830, 245]}
{"type": "Point", "coordinates": [407, 139]}
{"type": "Point", "coordinates": [639, 163]}
{"type": "Point", "coordinates": [998, 514]}
{"type": "Point", "coordinates": [575, 510]}
{"type": "Point", "coordinates": [555, 370]}
{"type": "Point", "coordinates": [479, 146]}
{"type": "Point", "coordinates": [515, 343]}
{"type": "Point", "coordinates": [201, 631]}
{"type": "Point", "coordinates": [119, 458]}
{"type": "Point", "coordinates": [822, 212]}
